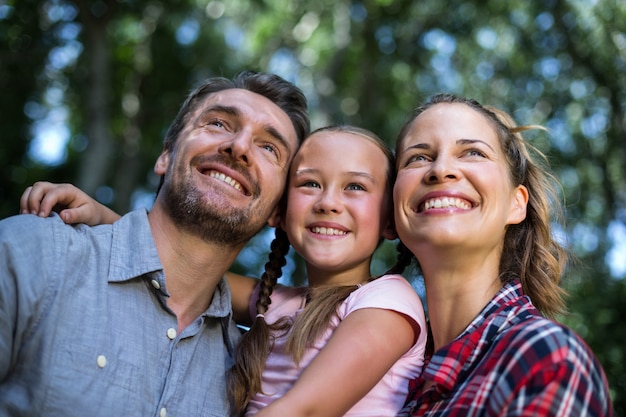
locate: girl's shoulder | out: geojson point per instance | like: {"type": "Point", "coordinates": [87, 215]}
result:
{"type": "Point", "coordinates": [388, 285]}
{"type": "Point", "coordinates": [389, 292]}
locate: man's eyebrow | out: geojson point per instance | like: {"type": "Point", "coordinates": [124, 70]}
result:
{"type": "Point", "coordinates": [230, 110]}
{"type": "Point", "coordinates": [234, 111]}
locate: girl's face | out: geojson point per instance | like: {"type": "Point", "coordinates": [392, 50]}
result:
{"type": "Point", "coordinates": [453, 187]}
{"type": "Point", "coordinates": [338, 203]}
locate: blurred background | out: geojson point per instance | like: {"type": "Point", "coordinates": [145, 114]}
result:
{"type": "Point", "coordinates": [88, 88]}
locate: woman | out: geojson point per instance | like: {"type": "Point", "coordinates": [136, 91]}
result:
{"type": "Point", "coordinates": [474, 208]}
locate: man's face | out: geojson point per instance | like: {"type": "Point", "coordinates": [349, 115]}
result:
{"type": "Point", "coordinates": [226, 173]}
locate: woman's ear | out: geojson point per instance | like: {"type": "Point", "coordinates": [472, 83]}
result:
{"type": "Point", "coordinates": [162, 162]}
{"type": "Point", "coordinates": [518, 205]}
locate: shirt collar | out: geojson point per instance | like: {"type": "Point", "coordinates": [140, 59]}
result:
{"type": "Point", "coordinates": [453, 361]}
{"type": "Point", "coordinates": [133, 252]}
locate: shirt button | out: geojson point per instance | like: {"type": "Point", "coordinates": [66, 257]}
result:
{"type": "Point", "coordinates": [163, 412]}
{"type": "Point", "coordinates": [101, 361]}
{"type": "Point", "coordinates": [171, 333]}
{"type": "Point", "coordinates": [155, 284]}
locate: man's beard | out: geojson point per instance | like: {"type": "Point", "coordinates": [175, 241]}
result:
{"type": "Point", "coordinates": [213, 223]}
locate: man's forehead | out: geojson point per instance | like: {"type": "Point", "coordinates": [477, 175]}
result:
{"type": "Point", "coordinates": [245, 103]}
{"type": "Point", "coordinates": [251, 106]}
{"type": "Point", "coordinates": [238, 97]}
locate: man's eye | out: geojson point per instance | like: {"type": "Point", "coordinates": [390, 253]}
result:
{"type": "Point", "coordinates": [270, 148]}
{"type": "Point", "coordinates": [217, 123]}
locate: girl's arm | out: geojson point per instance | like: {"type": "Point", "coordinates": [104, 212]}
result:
{"type": "Point", "coordinates": [76, 206]}
{"type": "Point", "coordinates": [72, 203]}
{"type": "Point", "coordinates": [361, 350]}
{"type": "Point", "coordinates": [241, 288]}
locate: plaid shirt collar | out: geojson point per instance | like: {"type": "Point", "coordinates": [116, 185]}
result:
{"type": "Point", "coordinates": [454, 361]}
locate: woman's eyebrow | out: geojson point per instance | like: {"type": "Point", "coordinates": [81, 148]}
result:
{"type": "Point", "coordinates": [472, 141]}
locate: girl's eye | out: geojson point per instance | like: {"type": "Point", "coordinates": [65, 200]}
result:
{"type": "Point", "coordinates": [355, 187]}
{"type": "Point", "coordinates": [310, 184]}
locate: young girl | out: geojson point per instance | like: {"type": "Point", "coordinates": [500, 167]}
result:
{"type": "Point", "coordinates": [348, 343]}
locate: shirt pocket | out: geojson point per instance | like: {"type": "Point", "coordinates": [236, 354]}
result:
{"type": "Point", "coordinates": [85, 379]}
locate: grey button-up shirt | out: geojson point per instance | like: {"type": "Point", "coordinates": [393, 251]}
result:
{"type": "Point", "coordinates": [85, 330]}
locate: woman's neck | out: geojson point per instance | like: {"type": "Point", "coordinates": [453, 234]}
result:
{"type": "Point", "coordinates": [456, 291]}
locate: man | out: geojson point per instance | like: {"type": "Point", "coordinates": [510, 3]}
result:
{"type": "Point", "coordinates": [134, 318]}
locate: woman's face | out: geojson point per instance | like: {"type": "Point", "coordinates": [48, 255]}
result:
{"type": "Point", "coordinates": [453, 188]}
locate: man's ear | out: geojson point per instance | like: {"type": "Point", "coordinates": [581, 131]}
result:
{"type": "Point", "coordinates": [162, 162]}
{"type": "Point", "coordinates": [518, 205]}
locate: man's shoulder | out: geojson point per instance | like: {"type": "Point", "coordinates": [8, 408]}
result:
{"type": "Point", "coordinates": [29, 226]}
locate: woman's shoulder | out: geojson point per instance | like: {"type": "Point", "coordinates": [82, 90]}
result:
{"type": "Point", "coordinates": [540, 338]}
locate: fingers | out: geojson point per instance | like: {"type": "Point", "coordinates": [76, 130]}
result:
{"type": "Point", "coordinates": [37, 199]}
{"type": "Point", "coordinates": [43, 197]}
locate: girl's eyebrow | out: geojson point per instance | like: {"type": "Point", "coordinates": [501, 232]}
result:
{"type": "Point", "coordinates": [366, 175]}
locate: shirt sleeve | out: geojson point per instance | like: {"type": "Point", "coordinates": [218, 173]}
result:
{"type": "Point", "coordinates": [555, 374]}
{"type": "Point", "coordinates": [389, 292]}
{"type": "Point", "coordinates": [23, 282]}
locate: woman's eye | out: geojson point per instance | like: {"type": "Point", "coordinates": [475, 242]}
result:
{"type": "Point", "coordinates": [416, 158]}
{"type": "Point", "coordinates": [475, 152]}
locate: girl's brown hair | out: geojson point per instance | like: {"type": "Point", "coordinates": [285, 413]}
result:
{"type": "Point", "coordinates": [530, 251]}
{"type": "Point", "coordinates": [244, 379]}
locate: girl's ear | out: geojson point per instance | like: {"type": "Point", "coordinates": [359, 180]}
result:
{"type": "Point", "coordinates": [518, 205]}
{"type": "Point", "coordinates": [389, 232]}
{"type": "Point", "coordinates": [162, 162]}
{"type": "Point", "coordinates": [276, 217]}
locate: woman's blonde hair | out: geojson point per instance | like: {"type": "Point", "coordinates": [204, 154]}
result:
{"type": "Point", "coordinates": [244, 379]}
{"type": "Point", "coordinates": [530, 251]}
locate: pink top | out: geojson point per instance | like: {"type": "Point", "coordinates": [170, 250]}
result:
{"type": "Point", "coordinates": [389, 292]}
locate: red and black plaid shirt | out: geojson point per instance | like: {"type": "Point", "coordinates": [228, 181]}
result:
{"type": "Point", "coordinates": [511, 361]}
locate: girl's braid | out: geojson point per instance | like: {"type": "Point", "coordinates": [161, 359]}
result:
{"type": "Point", "coordinates": [273, 270]}
{"type": "Point", "coordinates": [404, 259]}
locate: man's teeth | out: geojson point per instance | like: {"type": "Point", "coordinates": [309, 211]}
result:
{"type": "Point", "coordinates": [225, 178]}
{"type": "Point", "coordinates": [327, 231]}
{"type": "Point", "coordinates": [446, 202]}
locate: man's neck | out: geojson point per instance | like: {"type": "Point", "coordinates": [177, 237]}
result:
{"type": "Point", "coordinates": [193, 268]}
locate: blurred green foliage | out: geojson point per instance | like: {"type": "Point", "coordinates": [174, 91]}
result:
{"type": "Point", "coordinates": [104, 78]}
